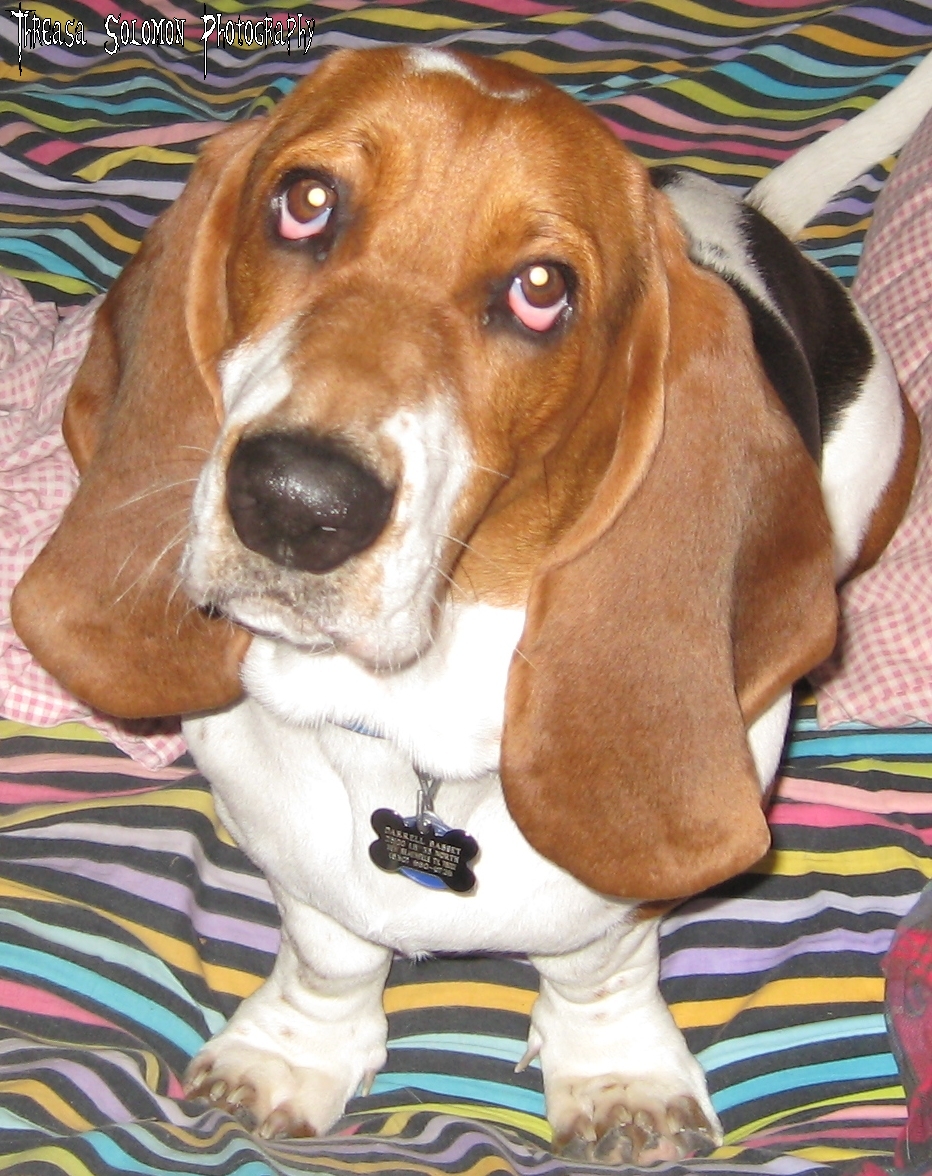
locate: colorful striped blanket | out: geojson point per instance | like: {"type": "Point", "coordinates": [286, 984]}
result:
{"type": "Point", "coordinates": [131, 926]}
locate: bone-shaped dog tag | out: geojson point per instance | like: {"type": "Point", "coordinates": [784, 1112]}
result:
{"type": "Point", "coordinates": [426, 851]}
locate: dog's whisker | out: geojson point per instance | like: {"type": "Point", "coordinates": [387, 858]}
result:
{"type": "Point", "coordinates": [160, 489]}
{"type": "Point", "coordinates": [178, 588]}
{"type": "Point", "coordinates": [519, 652]}
{"type": "Point", "coordinates": [145, 576]}
{"type": "Point", "coordinates": [489, 470]}
{"type": "Point", "coordinates": [125, 561]}
{"type": "Point", "coordinates": [547, 494]}
{"type": "Point", "coordinates": [449, 579]}
{"type": "Point", "coordinates": [188, 611]}
{"type": "Point", "coordinates": [473, 463]}
{"type": "Point", "coordinates": [473, 550]}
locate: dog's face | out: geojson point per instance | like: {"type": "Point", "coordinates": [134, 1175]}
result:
{"type": "Point", "coordinates": [424, 284]}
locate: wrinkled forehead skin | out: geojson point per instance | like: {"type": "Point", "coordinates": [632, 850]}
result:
{"type": "Point", "coordinates": [445, 178]}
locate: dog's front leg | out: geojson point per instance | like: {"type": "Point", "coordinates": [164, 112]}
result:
{"type": "Point", "coordinates": [299, 1047]}
{"type": "Point", "coordinates": [620, 1083]}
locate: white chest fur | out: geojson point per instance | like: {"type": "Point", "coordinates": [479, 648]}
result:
{"type": "Point", "coordinates": [297, 790]}
{"type": "Point", "coordinates": [444, 711]}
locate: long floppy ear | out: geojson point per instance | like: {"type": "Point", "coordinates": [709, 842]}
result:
{"type": "Point", "coordinates": [693, 590]}
{"type": "Point", "coordinates": [102, 607]}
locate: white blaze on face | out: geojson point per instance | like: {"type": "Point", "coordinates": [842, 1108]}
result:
{"type": "Point", "coordinates": [423, 60]}
{"type": "Point", "coordinates": [254, 377]}
{"type": "Point", "coordinates": [435, 462]}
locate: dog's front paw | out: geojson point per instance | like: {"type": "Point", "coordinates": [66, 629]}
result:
{"type": "Point", "coordinates": [620, 1083]}
{"type": "Point", "coordinates": [610, 1120]}
{"type": "Point", "coordinates": [304, 1042]}
{"type": "Point", "coordinates": [266, 1093]}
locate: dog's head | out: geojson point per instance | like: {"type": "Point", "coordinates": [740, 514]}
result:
{"type": "Point", "coordinates": [428, 330]}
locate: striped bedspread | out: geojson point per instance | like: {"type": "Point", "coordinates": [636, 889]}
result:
{"type": "Point", "coordinates": [130, 925]}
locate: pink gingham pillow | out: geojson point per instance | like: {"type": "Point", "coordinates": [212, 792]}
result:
{"type": "Point", "coordinates": [40, 352]}
{"type": "Point", "coordinates": [882, 671]}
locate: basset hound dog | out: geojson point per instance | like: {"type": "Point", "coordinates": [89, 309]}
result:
{"type": "Point", "coordinates": [479, 500]}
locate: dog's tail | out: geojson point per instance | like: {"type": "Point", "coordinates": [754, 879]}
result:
{"type": "Point", "coordinates": [800, 188]}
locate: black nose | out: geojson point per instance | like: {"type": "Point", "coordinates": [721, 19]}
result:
{"type": "Point", "coordinates": [303, 503]}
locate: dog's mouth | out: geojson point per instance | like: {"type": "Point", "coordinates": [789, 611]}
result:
{"type": "Point", "coordinates": [320, 615]}
{"type": "Point", "coordinates": [266, 618]}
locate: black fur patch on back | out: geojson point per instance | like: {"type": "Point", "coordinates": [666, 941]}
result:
{"type": "Point", "coordinates": [811, 343]}
{"type": "Point", "coordinates": [834, 344]}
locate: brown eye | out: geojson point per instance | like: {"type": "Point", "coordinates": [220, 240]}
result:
{"type": "Point", "coordinates": [307, 199]}
{"type": "Point", "coordinates": [542, 285]}
{"type": "Point", "coordinates": [538, 296]}
{"type": "Point", "coordinates": [304, 208]}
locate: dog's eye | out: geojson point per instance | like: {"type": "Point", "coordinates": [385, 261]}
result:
{"type": "Point", "coordinates": [538, 295]}
{"type": "Point", "coordinates": [305, 208]}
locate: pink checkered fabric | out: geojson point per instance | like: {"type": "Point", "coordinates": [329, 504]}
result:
{"type": "Point", "coordinates": [882, 671]}
{"type": "Point", "coordinates": [40, 351]}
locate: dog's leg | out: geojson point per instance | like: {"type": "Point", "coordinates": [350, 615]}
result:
{"type": "Point", "coordinates": [621, 1085]}
{"type": "Point", "coordinates": [300, 1046]}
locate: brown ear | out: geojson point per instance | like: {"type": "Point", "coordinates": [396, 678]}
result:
{"type": "Point", "coordinates": [694, 589]}
{"type": "Point", "coordinates": [102, 607]}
